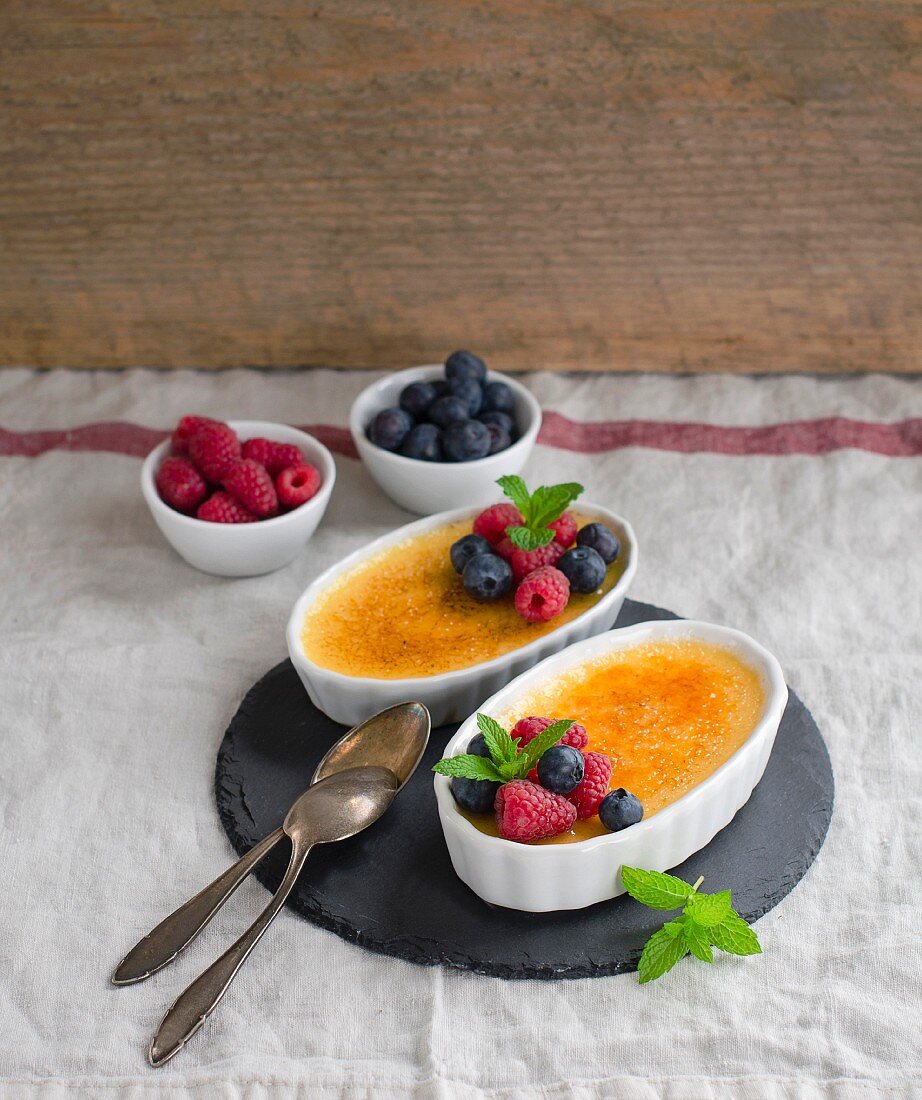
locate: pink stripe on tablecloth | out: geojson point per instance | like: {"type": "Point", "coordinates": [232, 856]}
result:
{"type": "Point", "coordinates": [901, 439]}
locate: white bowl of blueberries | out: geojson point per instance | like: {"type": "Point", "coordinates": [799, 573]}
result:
{"type": "Point", "coordinates": [438, 437]}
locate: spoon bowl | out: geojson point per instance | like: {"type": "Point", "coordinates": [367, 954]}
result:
{"type": "Point", "coordinates": [341, 805]}
{"type": "Point", "coordinates": [394, 738]}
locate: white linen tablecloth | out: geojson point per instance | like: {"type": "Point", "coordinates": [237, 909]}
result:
{"type": "Point", "coordinates": [121, 666]}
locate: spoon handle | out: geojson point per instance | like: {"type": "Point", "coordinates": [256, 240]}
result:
{"type": "Point", "coordinates": [197, 1002]}
{"type": "Point", "coordinates": [173, 934]}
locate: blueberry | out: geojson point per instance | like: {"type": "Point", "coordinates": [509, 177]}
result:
{"type": "Point", "coordinates": [475, 795]}
{"type": "Point", "coordinates": [466, 440]}
{"type": "Point", "coordinates": [598, 536]}
{"type": "Point", "coordinates": [487, 577]}
{"type": "Point", "coordinates": [425, 442]}
{"type": "Point", "coordinates": [440, 386]}
{"type": "Point", "coordinates": [446, 410]}
{"type": "Point", "coordinates": [502, 420]}
{"type": "Point", "coordinates": [417, 397]}
{"type": "Point", "coordinates": [560, 769]}
{"type": "Point", "coordinates": [389, 428]}
{"type": "Point", "coordinates": [497, 397]}
{"type": "Point", "coordinates": [500, 439]}
{"type": "Point", "coordinates": [583, 568]}
{"type": "Point", "coordinates": [467, 547]}
{"type": "Point", "coordinates": [465, 364]}
{"type": "Point", "coordinates": [470, 392]}
{"type": "Point", "coordinates": [619, 810]}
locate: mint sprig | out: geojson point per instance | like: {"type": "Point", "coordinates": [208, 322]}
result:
{"type": "Point", "coordinates": [539, 509]}
{"type": "Point", "coordinates": [506, 760]}
{"type": "Point", "coordinates": [707, 920]}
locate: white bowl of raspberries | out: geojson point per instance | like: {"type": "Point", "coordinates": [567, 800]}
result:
{"type": "Point", "coordinates": [437, 437]}
{"type": "Point", "coordinates": [237, 499]}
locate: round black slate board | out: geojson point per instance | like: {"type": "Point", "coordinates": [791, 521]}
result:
{"type": "Point", "coordinates": [392, 888]}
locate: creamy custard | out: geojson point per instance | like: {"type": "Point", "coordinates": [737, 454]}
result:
{"type": "Point", "coordinates": [667, 713]}
{"type": "Point", "coordinates": [403, 613]}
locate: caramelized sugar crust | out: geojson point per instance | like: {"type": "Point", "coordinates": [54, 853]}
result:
{"type": "Point", "coordinates": [667, 713]}
{"type": "Point", "coordinates": [404, 613]}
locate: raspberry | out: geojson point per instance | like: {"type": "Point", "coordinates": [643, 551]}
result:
{"type": "Point", "coordinates": [214, 448]}
{"type": "Point", "coordinates": [491, 524]}
{"type": "Point", "coordinates": [587, 797]}
{"type": "Point", "coordinates": [251, 485]}
{"type": "Point", "coordinates": [524, 562]}
{"type": "Point", "coordinates": [221, 507]}
{"type": "Point", "coordinates": [564, 529]}
{"type": "Point", "coordinates": [297, 484]}
{"type": "Point", "coordinates": [184, 430]}
{"type": "Point", "coordinates": [181, 485]}
{"type": "Point", "coordinates": [542, 595]}
{"type": "Point", "coordinates": [525, 811]}
{"type": "Point", "coordinates": [528, 728]}
{"type": "Point", "coordinates": [274, 456]}
{"type": "Point", "coordinates": [505, 548]}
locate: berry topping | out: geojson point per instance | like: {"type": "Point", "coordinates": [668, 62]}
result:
{"type": "Point", "coordinates": [564, 529]}
{"type": "Point", "coordinates": [447, 410]}
{"type": "Point", "coordinates": [423, 442]}
{"type": "Point", "coordinates": [180, 485]}
{"type": "Point", "coordinates": [524, 562]}
{"type": "Point", "coordinates": [466, 440]}
{"type": "Point", "coordinates": [275, 457]}
{"type": "Point", "coordinates": [469, 391]}
{"type": "Point", "coordinates": [583, 568]}
{"type": "Point", "coordinates": [389, 428]}
{"type": "Point", "coordinates": [619, 810]}
{"type": "Point", "coordinates": [526, 729]}
{"type": "Point", "coordinates": [221, 507]}
{"type": "Point", "coordinates": [417, 397]}
{"type": "Point", "coordinates": [542, 594]}
{"type": "Point", "coordinates": [561, 769]}
{"type": "Point", "coordinates": [477, 796]}
{"type": "Point", "coordinates": [587, 797]}
{"type": "Point", "coordinates": [297, 485]}
{"type": "Point", "coordinates": [487, 577]}
{"type": "Point", "coordinates": [497, 397]}
{"type": "Point", "coordinates": [250, 484]}
{"type": "Point", "coordinates": [527, 812]}
{"type": "Point", "coordinates": [214, 448]}
{"type": "Point", "coordinates": [493, 521]}
{"type": "Point", "coordinates": [505, 549]}
{"type": "Point", "coordinates": [598, 536]}
{"type": "Point", "coordinates": [464, 364]}
{"type": "Point", "coordinates": [184, 430]}
{"type": "Point", "coordinates": [467, 547]}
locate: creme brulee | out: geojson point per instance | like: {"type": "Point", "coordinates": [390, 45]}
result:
{"type": "Point", "coordinates": [667, 713]}
{"type": "Point", "coordinates": [403, 613]}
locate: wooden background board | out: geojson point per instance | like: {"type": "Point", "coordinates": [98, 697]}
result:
{"type": "Point", "coordinates": [731, 185]}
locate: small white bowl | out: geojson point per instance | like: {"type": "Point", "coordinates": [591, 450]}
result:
{"type": "Point", "coordinates": [243, 549]}
{"type": "Point", "coordinates": [449, 696]}
{"type": "Point", "coordinates": [541, 878]}
{"type": "Point", "coordinates": [427, 487]}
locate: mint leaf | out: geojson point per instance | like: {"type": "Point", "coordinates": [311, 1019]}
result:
{"type": "Point", "coordinates": [538, 746]}
{"type": "Point", "coordinates": [663, 950]}
{"type": "Point", "coordinates": [734, 936]}
{"type": "Point", "coordinates": [549, 502]}
{"type": "Point", "coordinates": [500, 746]}
{"type": "Point", "coordinates": [527, 539]}
{"type": "Point", "coordinates": [709, 909]}
{"type": "Point", "coordinates": [514, 488]}
{"type": "Point", "coordinates": [654, 889]}
{"type": "Point", "coordinates": [697, 939]}
{"type": "Point", "coordinates": [469, 766]}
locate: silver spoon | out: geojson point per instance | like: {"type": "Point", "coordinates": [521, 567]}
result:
{"type": "Point", "coordinates": [394, 738]}
{"type": "Point", "coordinates": [335, 808]}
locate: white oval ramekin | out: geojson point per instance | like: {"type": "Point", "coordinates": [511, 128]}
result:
{"type": "Point", "coordinates": [449, 696]}
{"type": "Point", "coordinates": [427, 487]}
{"type": "Point", "coordinates": [541, 878]}
{"type": "Point", "coordinates": [243, 549]}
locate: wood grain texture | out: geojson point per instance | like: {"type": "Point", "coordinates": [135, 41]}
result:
{"type": "Point", "coordinates": [727, 186]}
